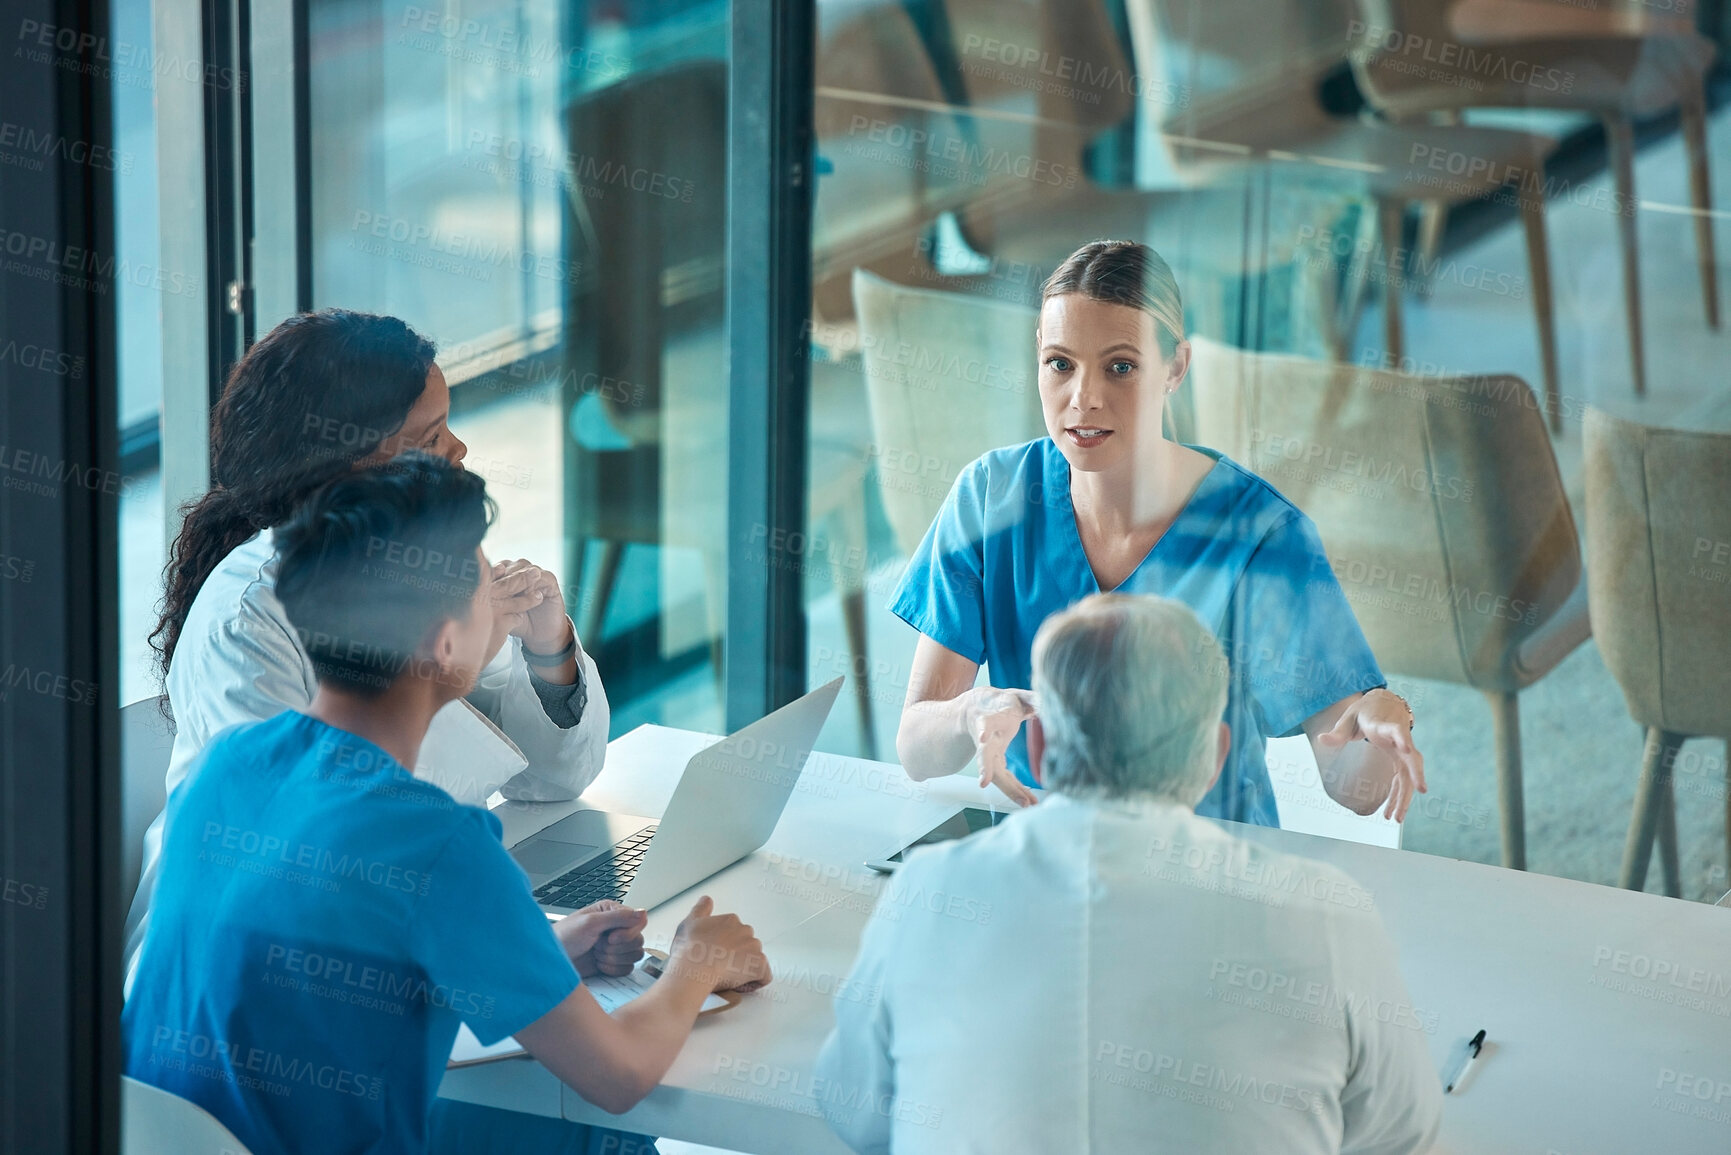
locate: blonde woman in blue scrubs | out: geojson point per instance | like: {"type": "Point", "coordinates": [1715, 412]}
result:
{"type": "Point", "coordinates": [1106, 502]}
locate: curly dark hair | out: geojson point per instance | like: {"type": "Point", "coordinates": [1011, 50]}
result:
{"type": "Point", "coordinates": [315, 395]}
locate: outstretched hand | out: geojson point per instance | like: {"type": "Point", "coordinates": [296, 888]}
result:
{"type": "Point", "coordinates": [1383, 720]}
{"type": "Point", "coordinates": [993, 717]}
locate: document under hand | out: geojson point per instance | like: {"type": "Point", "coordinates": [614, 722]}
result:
{"type": "Point", "coordinates": [612, 992]}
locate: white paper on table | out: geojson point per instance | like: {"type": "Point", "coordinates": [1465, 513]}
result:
{"type": "Point", "coordinates": [612, 992]}
{"type": "Point", "coordinates": [466, 755]}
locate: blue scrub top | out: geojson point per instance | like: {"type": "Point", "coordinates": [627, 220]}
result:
{"type": "Point", "coordinates": [1247, 560]}
{"type": "Point", "coordinates": [322, 922]}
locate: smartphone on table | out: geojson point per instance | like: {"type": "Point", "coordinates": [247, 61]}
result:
{"type": "Point", "coordinates": [966, 821]}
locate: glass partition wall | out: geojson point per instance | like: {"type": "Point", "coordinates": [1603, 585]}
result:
{"type": "Point", "coordinates": [1406, 281]}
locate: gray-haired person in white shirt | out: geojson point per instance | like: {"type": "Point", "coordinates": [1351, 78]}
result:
{"type": "Point", "coordinates": [1190, 990]}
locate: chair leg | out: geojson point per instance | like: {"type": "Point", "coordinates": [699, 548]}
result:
{"type": "Point", "coordinates": [853, 613]}
{"type": "Point", "coordinates": [1432, 216]}
{"type": "Point", "coordinates": [1357, 273]}
{"type": "Point", "coordinates": [1325, 299]}
{"type": "Point", "coordinates": [1670, 870]}
{"type": "Point", "coordinates": [1694, 117]}
{"type": "Point", "coordinates": [1620, 136]}
{"type": "Point", "coordinates": [1506, 724]}
{"type": "Point", "coordinates": [1393, 214]}
{"type": "Point", "coordinates": [1539, 269]}
{"type": "Point", "coordinates": [850, 521]}
{"type": "Point", "coordinates": [1657, 759]}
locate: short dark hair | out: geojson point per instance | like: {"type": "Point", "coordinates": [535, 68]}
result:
{"type": "Point", "coordinates": [376, 560]}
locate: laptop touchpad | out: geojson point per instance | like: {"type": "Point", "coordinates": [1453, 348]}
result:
{"type": "Point", "coordinates": [545, 855]}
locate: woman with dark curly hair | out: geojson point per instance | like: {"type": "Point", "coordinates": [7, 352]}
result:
{"type": "Point", "coordinates": [320, 395]}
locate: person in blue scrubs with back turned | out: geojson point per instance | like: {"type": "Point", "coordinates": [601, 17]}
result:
{"type": "Point", "coordinates": [325, 918]}
{"type": "Point", "coordinates": [1106, 502]}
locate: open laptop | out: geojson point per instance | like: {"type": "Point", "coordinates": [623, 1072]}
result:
{"type": "Point", "coordinates": [727, 802]}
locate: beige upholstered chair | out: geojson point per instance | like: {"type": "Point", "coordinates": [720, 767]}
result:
{"type": "Point", "coordinates": [949, 377]}
{"type": "Point", "coordinates": [1659, 556]}
{"type": "Point", "coordinates": [1440, 505]}
{"type": "Point", "coordinates": [882, 129]}
{"type": "Point", "coordinates": [1254, 85]}
{"type": "Point", "coordinates": [642, 471]}
{"type": "Point", "coordinates": [1012, 52]}
{"type": "Point", "coordinates": [1056, 78]}
{"type": "Point", "coordinates": [1416, 58]}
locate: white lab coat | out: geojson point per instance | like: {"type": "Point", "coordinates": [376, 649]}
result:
{"type": "Point", "coordinates": [239, 660]}
{"type": "Point", "coordinates": [1096, 976]}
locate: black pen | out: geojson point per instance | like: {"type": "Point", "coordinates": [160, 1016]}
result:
{"type": "Point", "coordinates": [1464, 1060]}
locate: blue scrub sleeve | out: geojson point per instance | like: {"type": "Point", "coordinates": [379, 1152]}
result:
{"type": "Point", "coordinates": [484, 942]}
{"type": "Point", "coordinates": [941, 593]}
{"type": "Point", "coordinates": [1300, 649]}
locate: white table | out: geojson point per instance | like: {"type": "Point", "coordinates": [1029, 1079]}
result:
{"type": "Point", "coordinates": [807, 894]}
{"type": "Point", "coordinates": [1586, 1051]}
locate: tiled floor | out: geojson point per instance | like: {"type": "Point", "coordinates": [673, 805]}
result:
{"type": "Point", "coordinates": [1581, 749]}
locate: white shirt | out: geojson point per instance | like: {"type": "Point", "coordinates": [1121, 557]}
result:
{"type": "Point", "coordinates": [239, 660]}
{"type": "Point", "coordinates": [1098, 976]}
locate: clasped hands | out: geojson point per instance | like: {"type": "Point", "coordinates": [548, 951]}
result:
{"type": "Point", "coordinates": [527, 603]}
{"type": "Point", "coordinates": [606, 938]}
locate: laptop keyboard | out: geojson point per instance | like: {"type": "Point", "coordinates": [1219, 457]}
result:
{"type": "Point", "coordinates": [606, 877]}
